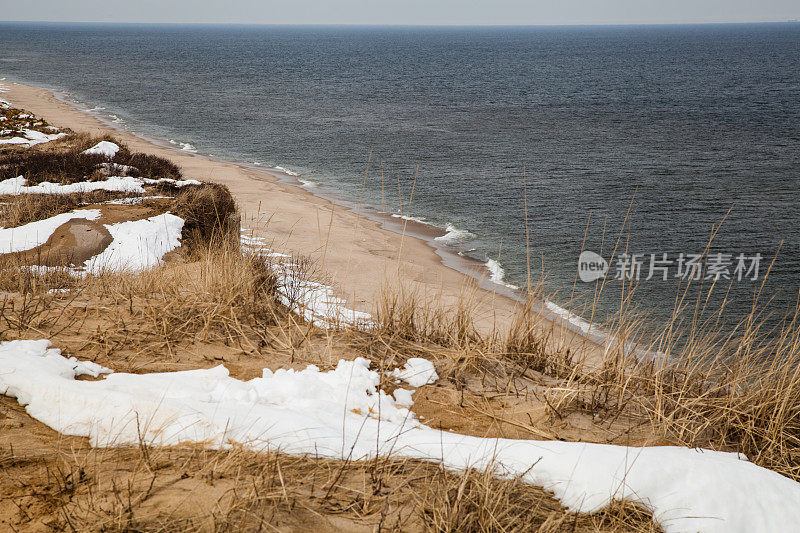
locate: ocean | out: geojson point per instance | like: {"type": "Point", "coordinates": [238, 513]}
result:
{"type": "Point", "coordinates": [643, 137]}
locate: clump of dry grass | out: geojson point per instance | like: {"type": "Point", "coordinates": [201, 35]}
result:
{"type": "Point", "coordinates": [404, 314]}
{"type": "Point", "coordinates": [210, 214]}
{"type": "Point", "coordinates": [224, 295]}
{"type": "Point", "coordinates": [740, 393]}
{"type": "Point", "coordinates": [24, 208]}
{"type": "Point", "coordinates": [482, 502]}
{"type": "Point", "coordinates": [148, 166]}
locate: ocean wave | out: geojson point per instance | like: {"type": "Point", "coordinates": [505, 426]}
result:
{"type": "Point", "coordinates": [115, 119]}
{"type": "Point", "coordinates": [497, 274]}
{"type": "Point", "coordinates": [287, 171]}
{"type": "Point", "coordinates": [572, 318]}
{"type": "Point", "coordinates": [409, 218]}
{"type": "Point", "coordinates": [187, 147]}
{"type": "Point", "coordinates": [454, 235]}
{"type": "Point", "coordinates": [96, 109]}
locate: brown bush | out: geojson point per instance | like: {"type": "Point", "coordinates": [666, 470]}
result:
{"type": "Point", "coordinates": [210, 215]}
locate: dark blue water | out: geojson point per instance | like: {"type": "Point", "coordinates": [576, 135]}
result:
{"type": "Point", "coordinates": [693, 120]}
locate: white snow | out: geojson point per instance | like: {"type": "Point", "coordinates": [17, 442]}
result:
{"type": "Point", "coordinates": [126, 184]}
{"type": "Point", "coordinates": [105, 148]}
{"type": "Point", "coordinates": [116, 168]}
{"type": "Point", "coordinates": [417, 372]}
{"type": "Point", "coordinates": [316, 302]}
{"type": "Point", "coordinates": [32, 137]}
{"type": "Point", "coordinates": [134, 200]}
{"type": "Point", "coordinates": [177, 183]}
{"type": "Point", "coordinates": [342, 414]}
{"type": "Point", "coordinates": [138, 244]}
{"type": "Point", "coordinates": [36, 233]}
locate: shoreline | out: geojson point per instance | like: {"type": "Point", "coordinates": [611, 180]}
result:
{"type": "Point", "coordinates": [404, 251]}
{"type": "Point", "coordinates": [396, 223]}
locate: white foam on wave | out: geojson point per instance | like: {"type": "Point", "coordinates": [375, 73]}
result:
{"type": "Point", "coordinates": [307, 183]}
{"type": "Point", "coordinates": [497, 274]}
{"type": "Point", "coordinates": [287, 171]}
{"type": "Point", "coordinates": [572, 318]}
{"type": "Point", "coordinates": [187, 147]}
{"type": "Point", "coordinates": [454, 235]}
{"type": "Point", "coordinates": [409, 218]}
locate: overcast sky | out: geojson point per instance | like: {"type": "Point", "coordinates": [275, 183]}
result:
{"type": "Point", "coordinates": [436, 12]}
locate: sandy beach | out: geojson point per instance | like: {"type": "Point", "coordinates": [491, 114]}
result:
{"type": "Point", "coordinates": [360, 256]}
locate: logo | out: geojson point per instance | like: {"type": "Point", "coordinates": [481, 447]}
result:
{"type": "Point", "coordinates": [591, 266]}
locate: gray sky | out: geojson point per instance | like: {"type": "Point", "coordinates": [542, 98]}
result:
{"type": "Point", "coordinates": [467, 12]}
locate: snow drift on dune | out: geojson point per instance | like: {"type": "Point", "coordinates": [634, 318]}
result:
{"type": "Point", "coordinates": [343, 413]}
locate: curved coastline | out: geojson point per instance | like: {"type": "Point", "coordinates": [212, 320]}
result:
{"type": "Point", "coordinates": [482, 273]}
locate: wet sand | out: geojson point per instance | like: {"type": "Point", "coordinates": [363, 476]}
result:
{"type": "Point", "coordinates": [360, 255]}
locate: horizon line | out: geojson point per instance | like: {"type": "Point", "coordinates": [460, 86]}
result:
{"type": "Point", "coordinates": [387, 25]}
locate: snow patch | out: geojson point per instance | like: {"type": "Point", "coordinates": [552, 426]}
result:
{"type": "Point", "coordinates": [342, 414]}
{"type": "Point", "coordinates": [316, 302]}
{"type": "Point", "coordinates": [417, 372]}
{"type": "Point", "coordinates": [32, 137]}
{"type": "Point", "coordinates": [127, 184]}
{"type": "Point", "coordinates": [177, 183]}
{"type": "Point", "coordinates": [105, 148]}
{"type": "Point", "coordinates": [138, 244]}
{"type": "Point", "coordinates": [135, 200]}
{"type": "Point", "coordinates": [116, 169]}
